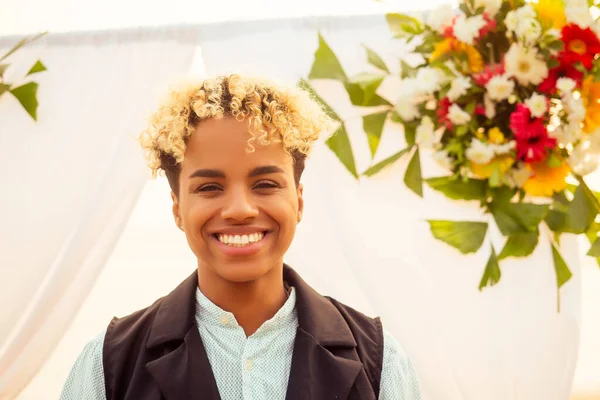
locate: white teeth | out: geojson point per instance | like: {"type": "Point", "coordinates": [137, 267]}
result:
{"type": "Point", "coordinates": [240, 240]}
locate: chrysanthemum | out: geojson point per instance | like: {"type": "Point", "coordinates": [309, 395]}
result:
{"type": "Point", "coordinates": [546, 180]}
{"type": "Point", "coordinates": [525, 64]}
{"type": "Point", "coordinates": [590, 93]}
{"type": "Point", "coordinates": [450, 44]}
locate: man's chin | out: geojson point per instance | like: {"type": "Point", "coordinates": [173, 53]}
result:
{"type": "Point", "coordinates": [243, 271]}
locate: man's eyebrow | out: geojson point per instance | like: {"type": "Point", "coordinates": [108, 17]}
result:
{"type": "Point", "coordinates": [207, 173]}
{"type": "Point", "coordinates": [264, 170]}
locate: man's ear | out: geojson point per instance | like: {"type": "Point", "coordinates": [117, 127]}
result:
{"type": "Point", "coordinates": [176, 211]}
{"type": "Point", "coordinates": [300, 191]}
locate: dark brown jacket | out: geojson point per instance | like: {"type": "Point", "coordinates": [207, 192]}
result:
{"type": "Point", "coordinates": [157, 353]}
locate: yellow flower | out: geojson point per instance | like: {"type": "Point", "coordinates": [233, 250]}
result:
{"type": "Point", "coordinates": [503, 163]}
{"type": "Point", "coordinates": [546, 180]}
{"type": "Point", "coordinates": [590, 94]}
{"type": "Point", "coordinates": [551, 12]}
{"type": "Point", "coordinates": [495, 136]}
{"type": "Point", "coordinates": [450, 45]}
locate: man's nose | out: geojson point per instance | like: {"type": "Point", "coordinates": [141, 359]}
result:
{"type": "Point", "coordinates": [239, 206]}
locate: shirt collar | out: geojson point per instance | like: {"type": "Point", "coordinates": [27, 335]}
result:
{"type": "Point", "coordinates": [209, 313]}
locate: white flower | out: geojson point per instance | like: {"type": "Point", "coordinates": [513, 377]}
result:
{"type": "Point", "coordinates": [443, 159]}
{"type": "Point", "coordinates": [575, 109]}
{"type": "Point", "coordinates": [491, 7]}
{"type": "Point", "coordinates": [490, 107]}
{"type": "Point", "coordinates": [479, 152]}
{"type": "Point", "coordinates": [500, 87]}
{"type": "Point", "coordinates": [459, 88]}
{"type": "Point", "coordinates": [525, 64]}
{"type": "Point", "coordinates": [526, 12]}
{"type": "Point", "coordinates": [425, 134]}
{"type": "Point", "coordinates": [579, 15]}
{"type": "Point", "coordinates": [457, 115]}
{"type": "Point", "coordinates": [566, 134]}
{"type": "Point", "coordinates": [529, 30]}
{"type": "Point", "coordinates": [511, 21]}
{"type": "Point", "coordinates": [440, 17]}
{"type": "Point", "coordinates": [429, 79]}
{"type": "Point", "coordinates": [537, 104]}
{"type": "Point", "coordinates": [582, 160]}
{"type": "Point", "coordinates": [407, 109]}
{"type": "Point", "coordinates": [467, 29]}
{"type": "Point", "coordinates": [505, 148]}
{"type": "Point", "coordinates": [565, 85]}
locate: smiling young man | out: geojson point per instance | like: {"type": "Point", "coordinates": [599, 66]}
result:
{"type": "Point", "coordinates": [244, 325]}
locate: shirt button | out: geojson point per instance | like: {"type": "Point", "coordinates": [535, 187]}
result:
{"type": "Point", "coordinates": [224, 319]}
{"type": "Point", "coordinates": [249, 365]}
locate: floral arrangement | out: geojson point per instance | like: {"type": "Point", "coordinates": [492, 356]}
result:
{"type": "Point", "coordinates": [25, 93]}
{"type": "Point", "coordinates": [505, 95]}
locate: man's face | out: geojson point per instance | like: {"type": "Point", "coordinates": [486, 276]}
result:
{"type": "Point", "coordinates": [238, 210]}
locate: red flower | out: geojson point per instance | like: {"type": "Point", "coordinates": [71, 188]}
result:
{"type": "Point", "coordinates": [489, 26]}
{"type": "Point", "coordinates": [442, 112]}
{"type": "Point", "coordinates": [531, 135]}
{"type": "Point", "coordinates": [564, 70]}
{"type": "Point", "coordinates": [581, 45]}
{"type": "Point", "coordinates": [482, 78]}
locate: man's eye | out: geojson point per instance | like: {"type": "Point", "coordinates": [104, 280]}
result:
{"type": "Point", "coordinates": [266, 185]}
{"type": "Point", "coordinates": [208, 188]}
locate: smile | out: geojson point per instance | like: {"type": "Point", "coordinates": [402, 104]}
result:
{"type": "Point", "coordinates": [240, 240]}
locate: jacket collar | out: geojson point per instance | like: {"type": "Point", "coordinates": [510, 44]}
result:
{"type": "Point", "coordinates": [184, 370]}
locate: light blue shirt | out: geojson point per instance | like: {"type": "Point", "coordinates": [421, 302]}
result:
{"type": "Point", "coordinates": [249, 368]}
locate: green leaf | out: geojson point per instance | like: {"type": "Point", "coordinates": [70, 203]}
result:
{"type": "Point", "coordinates": [518, 217]}
{"type": "Point", "coordinates": [494, 179]}
{"type": "Point", "coordinates": [362, 88]}
{"type": "Point", "coordinates": [520, 244]}
{"type": "Point", "coordinates": [27, 96]}
{"type": "Point", "coordinates": [388, 161]}
{"type": "Point", "coordinates": [595, 249]}
{"type": "Point", "coordinates": [410, 133]}
{"type": "Point", "coordinates": [466, 236]}
{"type": "Point", "coordinates": [23, 42]}
{"type": "Point", "coordinates": [3, 68]}
{"type": "Point", "coordinates": [406, 71]}
{"type": "Point", "coordinates": [581, 211]}
{"type": "Point", "coordinates": [401, 24]}
{"type": "Point", "coordinates": [413, 178]}
{"type": "Point", "coordinates": [376, 61]}
{"type": "Point", "coordinates": [328, 110]}
{"type": "Point", "coordinates": [563, 273]}
{"type": "Point", "coordinates": [492, 274]}
{"type": "Point", "coordinates": [457, 189]}
{"type": "Point", "coordinates": [373, 125]}
{"type": "Point", "coordinates": [339, 143]}
{"type": "Point", "coordinates": [326, 64]}
{"type": "Point", "coordinates": [558, 221]}
{"type": "Point", "coordinates": [37, 67]}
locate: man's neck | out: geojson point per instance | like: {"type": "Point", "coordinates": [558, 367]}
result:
{"type": "Point", "coordinates": [252, 303]}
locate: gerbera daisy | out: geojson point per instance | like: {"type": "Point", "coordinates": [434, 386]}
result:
{"type": "Point", "coordinates": [564, 70]}
{"type": "Point", "coordinates": [533, 141]}
{"type": "Point", "coordinates": [590, 94]}
{"type": "Point", "coordinates": [581, 45]}
{"type": "Point", "coordinates": [442, 112]}
{"type": "Point", "coordinates": [546, 180]}
{"type": "Point", "coordinates": [525, 64]}
{"type": "Point", "coordinates": [488, 72]}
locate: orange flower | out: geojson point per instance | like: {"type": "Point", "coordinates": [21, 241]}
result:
{"type": "Point", "coordinates": [546, 180]}
{"type": "Point", "coordinates": [450, 45]}
{"type": "Point", "coordinates": [590, 94]}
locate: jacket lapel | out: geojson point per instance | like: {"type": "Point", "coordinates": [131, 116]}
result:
{"type": "Point", "coordinates": [182, 371]}
{"type": "Point", "coordinates": [317, 373]}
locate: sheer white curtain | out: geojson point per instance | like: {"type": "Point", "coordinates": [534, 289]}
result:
{"type": "Point", "coordinates": [69, 182]}
{"type": "Point", "coordinates": [367, 243]}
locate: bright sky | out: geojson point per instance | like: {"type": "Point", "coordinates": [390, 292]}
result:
{"type": "Point", "coordinates": [28, 16]}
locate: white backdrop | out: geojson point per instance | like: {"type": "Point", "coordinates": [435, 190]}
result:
{"type": "Point", "coordinates": [368, 242]}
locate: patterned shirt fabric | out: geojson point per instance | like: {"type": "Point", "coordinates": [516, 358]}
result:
{"type": "Point", "coordinates": [249, 368]}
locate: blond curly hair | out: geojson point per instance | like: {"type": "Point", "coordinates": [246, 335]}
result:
{"type": "Point", "coordinates": [276, 114]}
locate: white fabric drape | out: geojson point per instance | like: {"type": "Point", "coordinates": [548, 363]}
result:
{"type": "Point", "coordinates": [70, 181]}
